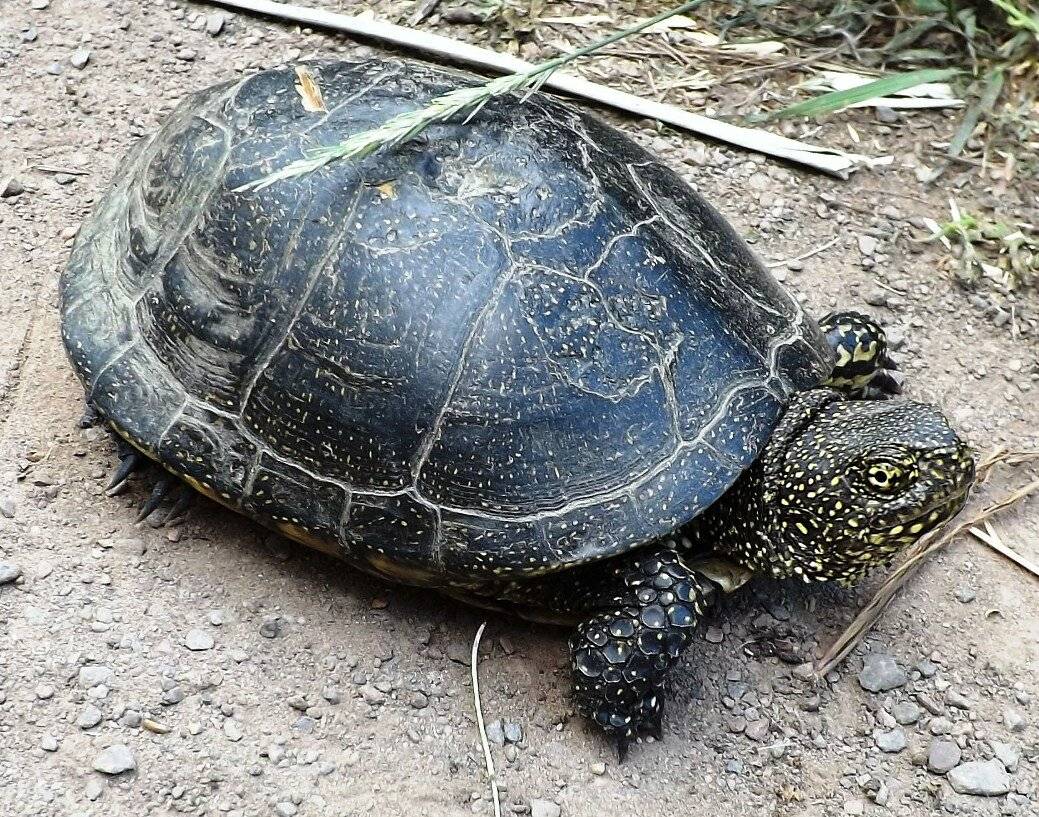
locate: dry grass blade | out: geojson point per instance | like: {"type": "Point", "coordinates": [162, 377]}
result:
{"type": "Point", "coordinates": [917, 555]}
{"type": "Point", "coordinates": [991, 538]}
{"type": "Point", "coordinates": [827, 160]}
{"type": "Point", "coordinates": [492, 776]}
{"type": "Point", "coordinates": [1001, 456]}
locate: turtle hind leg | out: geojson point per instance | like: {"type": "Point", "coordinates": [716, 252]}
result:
{"type": "Point", "coordinates": [864, 368]}
{"type": "Point", "coordinates": [622, 654]}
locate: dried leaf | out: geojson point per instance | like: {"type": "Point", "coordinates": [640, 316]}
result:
{"type": "Point", "coordinates": [309, 92]}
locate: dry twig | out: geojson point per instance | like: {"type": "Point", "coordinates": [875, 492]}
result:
{"type": "Point", "coordinates": [492, 777]}
{"type": "Point", "coordinates": [917, 554]}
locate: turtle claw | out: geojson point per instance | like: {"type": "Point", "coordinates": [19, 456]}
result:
{"type": "Point", "coordinates": [159, 492]}
{"type": "Point", "coordinates": [185, 499]}
{"type": "Point", "coordinates": [128, 464]}
{"type": "Point", "coordinates": [620, 744]}
{"type": "Point", "coordinates": [89, 418]}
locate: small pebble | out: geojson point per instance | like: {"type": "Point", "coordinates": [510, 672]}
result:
{"type": "Point", "coordinates": [880, 673]}
{"type": "Point", "coordinates": [215, 23]}
{"type": "Point", "coordinates": [80, 57]}
{"type": "Point", "coordinates": [8, 572]}
{"type": "Point", "coordinates": [198, 640]}
{"type": "Point", "coordinates": [89, 717]}
{"type": "Point", "coordinates": [905, 713]}
{"type": "Point", "coordinates": [985, 778]}
{"type": "Point", "coordinates": [544, 808]}
{"type": "Point", "coordinates": [116, 759]}
{"type": "Point", "coordinates": [1007, 755]}
{"type": "Point", "coordinates": [891, 741]}
{"type": "Point", "coordinates": [943, 756]}
{"type": "Point", "coordinates": [1014, 720]}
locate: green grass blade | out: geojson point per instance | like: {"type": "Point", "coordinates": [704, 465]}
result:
{"type": "Point", "coordinates": [981, 106]}
{"type": "Point", "coordinates": [836, 100]}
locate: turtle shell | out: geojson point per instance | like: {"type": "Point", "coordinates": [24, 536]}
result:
{"type": "Point", "coordinates": [503, 348]}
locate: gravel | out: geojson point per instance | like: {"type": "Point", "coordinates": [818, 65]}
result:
{"type": "Point", "coordinates": [80, 57]}
{"type": "Point", "coordinates": [986, 778]}
{"type": "Point", "coordinates": [198, 640]}
{"type": "Point", "coordinates": [891, 741]}
{"type": "Point", "coordinates": [116, 759]}
{"type": "Point", "coordinates": [89, 717]}
{"type": "Point", "coordinates": [94, 675]}
{"type": "Point", "coordinates": [880, 673]}
{"type": "Point", "coordinates": [544, 808]}
{"type": "Point", "coordinates": [943, 756]}
{"type": "Point", "coordinates": [9, 572]}
{"type": "Point", "coordinates": [905, 713]}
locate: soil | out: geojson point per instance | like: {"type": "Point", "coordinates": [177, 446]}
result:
{"type": "Point", "coordinates": [243, 675]}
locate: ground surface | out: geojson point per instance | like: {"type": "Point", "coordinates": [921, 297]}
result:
{"type": "Point", "coordinates": [315, 691]}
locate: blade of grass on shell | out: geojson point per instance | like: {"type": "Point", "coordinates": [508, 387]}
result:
{"type": "Point", "coordinates": [835, 101]}
{"type": "Point", "coordinates": [981, 106]}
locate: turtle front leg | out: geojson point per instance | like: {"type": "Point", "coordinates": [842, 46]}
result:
{"type": "Point", "coordinates": [650, 604]}
{"type": "Point", "coordinates": [864, 368]}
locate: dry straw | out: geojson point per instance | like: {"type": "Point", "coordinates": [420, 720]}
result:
{"type": "Point", "coordinates": [461, 101]}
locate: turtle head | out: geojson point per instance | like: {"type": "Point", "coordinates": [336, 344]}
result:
{"type": "Point", "coordinates": [844, 485]}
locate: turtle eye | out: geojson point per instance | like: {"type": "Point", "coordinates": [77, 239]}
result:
{"type": "Point", "coordinates": [886, 476]}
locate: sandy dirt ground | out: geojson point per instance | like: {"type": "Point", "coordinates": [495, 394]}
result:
{"type": "Point", "coordinates": [245, 676]}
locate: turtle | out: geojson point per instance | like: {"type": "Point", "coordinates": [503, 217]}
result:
{"type": "Point", "coordinates": [516, 359]}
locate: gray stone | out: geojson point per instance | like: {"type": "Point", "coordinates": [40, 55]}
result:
{"type": "Point", "coordinates": [985, 778]}
{"type": "Point", "coordinates": [418, 700]}
{"type": "Point", "coordinates": [80, 57]}
{"type": "Point", "coordinates": [876, 297]}
{"type": "Point", "coordinates": [93, 790]}
{"type": "Point", "coordinates": [513, 732]}
{"type": "Point", "coordinates": [271, 628]}
{"type": "Point", "coordinates": [49, 743]}
{"type": "Point", "coordinates": [496, 732]}
{"type": "Point", "coordinates": [905, 713]}
{"type": "Point", "coordinates": [198, 640]}
{"type": "Point", "coordinates": [89, 717]}
{"type": "Point", "coordinates": [891, 741]}
{"type": "Point", "coordinates": [965, 594]}
{"type": "Point", "coordinates": [758, 730]}
{"type": "Point", "coordinates": [880, 673]}
{"type": "Point", "coordinates": [867, 244]}
{"type": "Point", "coordinates": [215, 23]}
{"type": "Point", "coordinates": [1007, 755]}
{"type": "Point", "coordinates": [887, 115]}
{"type": "Point", "coordinates": [8, 572]}
{"type": "Point", "coordinates": [957, 700]}
{"type": "Point", "coordinates": [284, 809]}
{"type": "Point", "coordinates": [1014, 720]}
{"type": "Point", "coordinates": [232, 731]}
{"type": "Point", "coordinates": [116, 759]}
{"type": "Point", "coordinates": [94, 675]}
{"type": "Point", "coordinates": [172, 696]}
{"type": "Point", "coordinates": [544, 808]}
{"type": "Point", "coordinates": [943, 756]}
